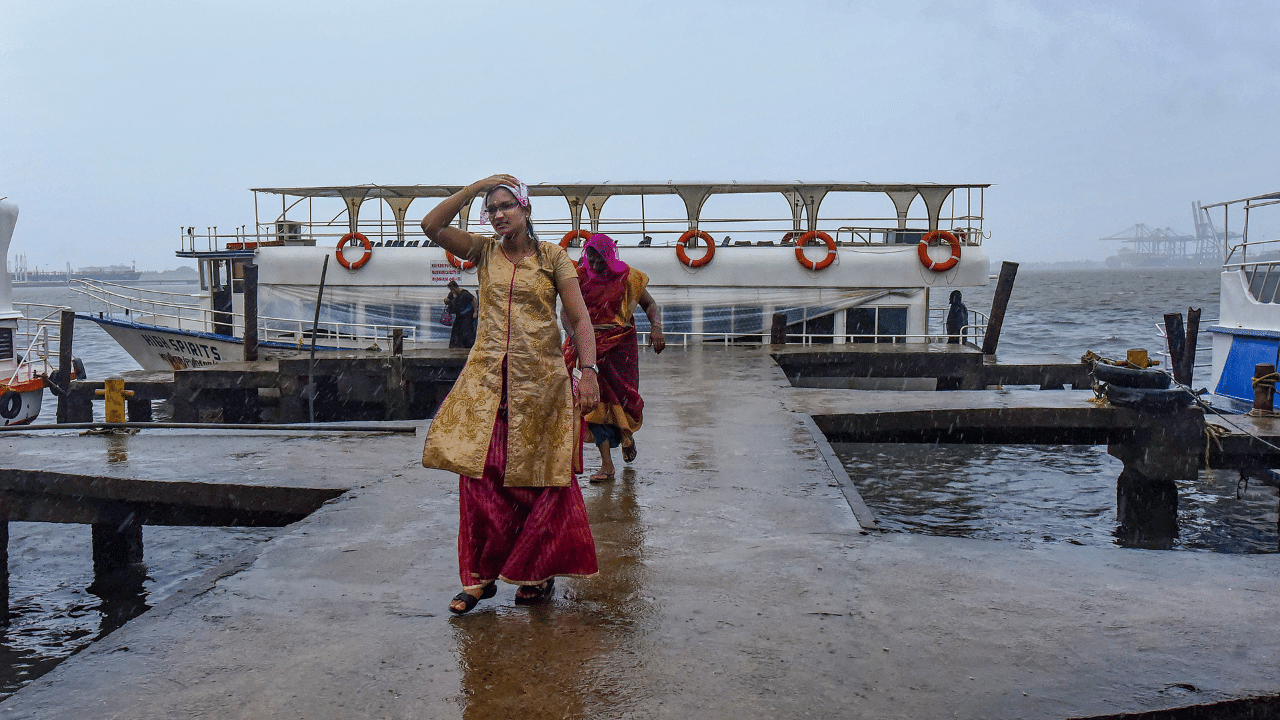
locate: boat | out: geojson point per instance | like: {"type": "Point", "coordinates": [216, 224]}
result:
{"type": "Point", "coordinates": [1247, 332]}
{"type": "Point", "coordinates": [843, 262]}
{"type": "Point", "coordinates": [28, 339]}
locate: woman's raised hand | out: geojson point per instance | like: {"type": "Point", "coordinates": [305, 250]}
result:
{"type": "Point", "coordinates": [493, 181]}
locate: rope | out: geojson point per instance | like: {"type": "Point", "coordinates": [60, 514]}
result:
{"type": "Point", "coordinates": [1266, 381]}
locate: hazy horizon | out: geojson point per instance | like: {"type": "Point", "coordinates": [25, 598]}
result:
{"type": "Point", "coordinates": [125, 122]}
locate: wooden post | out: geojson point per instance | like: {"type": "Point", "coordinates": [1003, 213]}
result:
{"type": "Point", "coordinates": [138, 409]}
{"type": "Point", "coordinates": [117, 553]}
{"type": "Point", "coordinates": [1265, 391]}
{"type": "Point", "coordinates": [4, 561]}
{"type": "Point", "coordinates": [66, 336]}
{"type": "Point", "coordinates": [778, 331]}
{"type": "Point", "coordinates": [397, 341]}
{"type": "Point", "coordinates": [1189, 349]}
{"type": "Point", "coordinates": [250, 312]}
{"type": "Point", "coordinates": [999, 303]}
{"type": "Point", "coordinates": [1173, 332]}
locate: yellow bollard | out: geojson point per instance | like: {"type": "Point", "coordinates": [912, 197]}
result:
{"type": "Point", "coordinates": [114, 394]}
{"type": "Point", "coordinates": [1137, 357]}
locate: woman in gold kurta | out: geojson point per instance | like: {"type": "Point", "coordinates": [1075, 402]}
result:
{"type": "Point", "coordinates": [508, 425]}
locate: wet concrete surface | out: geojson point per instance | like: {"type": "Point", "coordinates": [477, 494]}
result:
{"type": "Point", "coordinates": [735, 582]}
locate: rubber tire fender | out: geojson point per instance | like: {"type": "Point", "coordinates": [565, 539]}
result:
{"type": "Point", "coordinates": [10, 405]}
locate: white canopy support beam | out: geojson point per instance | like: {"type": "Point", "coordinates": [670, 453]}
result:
{"type": "Point", "coordinates": [576, 196]}
{"type": "Point", "coordinates": [934, 197]}
{"type": "Point", "coordinates": [812, 196]}
{"type": "Point", "coordinates": [595, 203]}
{"type": "Point", "coordinates": [399, 208]}
{"type": "Point", "coordinates": [694, 196]}
{"type": "Point", "coordinates": [902, 200]}
{"type": "Point", "coordinates": [353, 197]}
{"type": "Point", "coordinates": [796, 199]}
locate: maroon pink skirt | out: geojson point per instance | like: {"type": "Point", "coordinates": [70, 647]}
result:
{"type": "Point", "coordinates": [521, 535]}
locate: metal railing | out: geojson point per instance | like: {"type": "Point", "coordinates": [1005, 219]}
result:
{"type": "Point", "coordinates": [165, 312]}
{"type": "Point", "coordinates": [38, 333]}
{"type": "Point", "coordinates": [777, 232]}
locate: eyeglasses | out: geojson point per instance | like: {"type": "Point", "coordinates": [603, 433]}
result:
{"type": "Point", "coordinates": [505, 207]}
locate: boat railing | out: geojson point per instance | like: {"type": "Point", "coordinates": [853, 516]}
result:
{"type": "Point", "coordinates": [661, 232]}
{"type": "Point", "coordinates": [38, 332]}
{"type": "Point", "coordinates": [164, 309]}
{"type": "Point", "coordinates": [1261, 277]}
{"type": "Point", "coordinates": [684, 338]}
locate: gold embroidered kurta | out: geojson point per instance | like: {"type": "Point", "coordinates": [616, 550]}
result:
{"type": "Point", "coordinates": [517, 316]}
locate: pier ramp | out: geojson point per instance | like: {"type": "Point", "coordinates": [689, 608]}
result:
{"type": "Point", "coordinates": [735, 582]}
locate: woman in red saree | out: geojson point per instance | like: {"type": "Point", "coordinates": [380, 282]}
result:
{"type": "Point", "coordinates": [611, 290]}
{"type": "Point", "coordinates": [508, 426]}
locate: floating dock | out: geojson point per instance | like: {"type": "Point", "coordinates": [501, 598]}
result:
{"type": "Point", "coordinates": [738, 579]}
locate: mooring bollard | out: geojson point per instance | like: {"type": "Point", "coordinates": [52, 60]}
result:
{"type": "Point", "coordinates": [1264, 386]}
{"type": "Point", "coordinates": [114, 395]}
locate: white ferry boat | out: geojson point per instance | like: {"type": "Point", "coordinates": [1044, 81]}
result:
{"type": "Point", "coordinates": [845, 262]}
{"type": "Point", "coordinates": [1248, 329]}
{"type": "Point", "coordinates": [28, 338]}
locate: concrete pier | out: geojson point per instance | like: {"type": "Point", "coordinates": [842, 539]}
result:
{"type": "Point", "coordinates": [736, 582]}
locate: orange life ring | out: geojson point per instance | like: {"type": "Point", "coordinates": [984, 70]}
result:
{"type": "Point", "coordinates": [825, 262]}
{"type": "Point", "coordinates": [572, 235]}
{"type": "Point", "coordinates": [923, 250]}
{"type": "Point", "coordinates": [705, 259]}
{"type": "Point", "coordinates": [368, 251]}
{"type": "Point", "coordinates": [460, 264]}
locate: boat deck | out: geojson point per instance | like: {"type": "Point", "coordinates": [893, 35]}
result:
{"type": "Point", "coordinates": [735, 582]}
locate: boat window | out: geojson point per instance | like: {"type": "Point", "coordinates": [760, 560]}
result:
{"type": "Point", "coordinates": [891, 321]}
{"type": "Point", "coordinates": [676, 319]}
{"type": "Point", "coordinates": [237, 276]}
{"type": "Point", "coordinates": [6, 343]}
{"type": "Point", "coordinates": [204, 274]}
{"type": "Point", "coordinates": [733, 319]}
{"type": "Point", "coordinates": [876, 324]}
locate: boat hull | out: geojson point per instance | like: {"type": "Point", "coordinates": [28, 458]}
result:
{"type": "Point", "coordinates": [19, 406]}
{"type": "Point", "coordinates": [166, 349]}
{"type": "Point", "coordinates": [159, 348]}
{"type": "Point", "coordinates": [1247, 334]}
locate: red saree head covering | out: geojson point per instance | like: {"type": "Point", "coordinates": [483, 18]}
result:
{"type": "Point", "coordinates": [608, 250]}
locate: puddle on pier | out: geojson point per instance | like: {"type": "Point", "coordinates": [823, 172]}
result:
{"type": "Point", "coordinates": [53, 616]}
{"type": "Point", "coordinates": [1045, 494]}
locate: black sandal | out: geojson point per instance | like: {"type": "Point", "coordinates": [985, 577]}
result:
{"type": "Point", "coordinates": [469, 601]}
{"type": "Point", "coordinates": [540, 592]}
{"type": "Point", "coordinates": [629, 451]}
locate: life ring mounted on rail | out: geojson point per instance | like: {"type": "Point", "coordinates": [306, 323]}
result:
{"type": "Point", "coordinates": [923, 251]}
{"type": "Point", "coordinates": [705, 236]}
{"type": "Point", "coordinates": [357, 264]}
{"type": "Point", "coordinates": [572, 235]}
{"type": "Point", "coordinates": [460, 264]}
{"type": "Point", "coordinates": [825, 262]}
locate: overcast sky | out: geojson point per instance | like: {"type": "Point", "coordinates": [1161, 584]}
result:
{"type": "Point", "coordinates": [122, 121]}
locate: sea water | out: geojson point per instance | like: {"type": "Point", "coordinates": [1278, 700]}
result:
{"type": "Point", "coordinates": [1064, 493]}
{"type": "Point", "coordinates": [52, 613]}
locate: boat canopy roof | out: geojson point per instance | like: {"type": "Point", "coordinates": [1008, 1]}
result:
{"type": "Point", "coordinates": [585, 189]}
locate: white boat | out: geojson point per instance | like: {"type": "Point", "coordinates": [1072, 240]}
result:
{"type": "Point", "coordinates": [28, 339]}
{"type": "Point", "coordinates": [722, 258]}
{"type": "Point", "coordinates": [1248, 329]}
